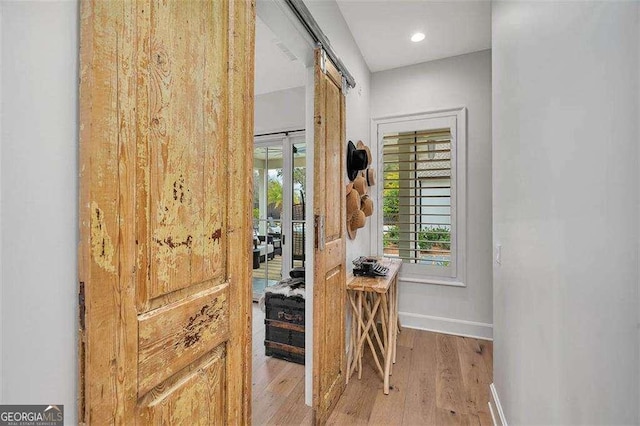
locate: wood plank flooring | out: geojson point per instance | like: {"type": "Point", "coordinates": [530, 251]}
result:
{"type": "Point", "coordinates": [438, 379]}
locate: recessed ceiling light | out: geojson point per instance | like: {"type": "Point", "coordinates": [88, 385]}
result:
{"type": "Point", "coordinates": [417, 37]}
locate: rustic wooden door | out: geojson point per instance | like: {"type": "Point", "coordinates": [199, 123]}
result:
{"type": "Point", "coordinates": [329, 291]}
{"type": "Point", "coordinates": [166, 134]}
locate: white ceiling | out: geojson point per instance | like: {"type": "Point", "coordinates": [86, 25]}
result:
{"type": "Point", "coordinates": [275, 69]}
{"type": "Point", "coordinates": [383, 29]}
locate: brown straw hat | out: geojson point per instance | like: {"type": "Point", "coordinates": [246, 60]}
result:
{"type": "Point", "coordinates": [371, 176]}
{"type": "Point", "coordinates": [367, 205]}
{"type": "Point", "coordinates": [361, 145]}
{"type": "Point", "coordinates": [360, 184]}
{"type": "Point", "coordinates": [353, 202]}
{"type": "Point", "coordinates": [357, 221]}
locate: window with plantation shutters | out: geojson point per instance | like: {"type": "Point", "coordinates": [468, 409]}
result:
{"type": "Point", "coordinates": [420, 195]}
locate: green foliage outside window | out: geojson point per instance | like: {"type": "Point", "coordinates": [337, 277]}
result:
{"type": "Point", "coordinates": [434, 237]}
{"type": "Point", "coordinates": [390, 207]}
{"type": "Point", "coordinates": [274, 193]}
{"type": "Point", "coordinates": [390, 236]}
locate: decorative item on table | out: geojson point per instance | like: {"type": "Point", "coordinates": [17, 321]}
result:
{"type": "Point", "coordinates": [357, 160]}
{"type": "Point", "coordinates": [368, 267]}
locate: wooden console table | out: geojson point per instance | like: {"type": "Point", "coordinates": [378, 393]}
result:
{"type": "Point", "coordinates": [373, 300]}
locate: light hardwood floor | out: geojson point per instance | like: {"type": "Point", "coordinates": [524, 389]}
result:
{"type": "Point", "coordinates": [438, 379]}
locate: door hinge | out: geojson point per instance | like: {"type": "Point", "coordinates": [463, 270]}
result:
{"type": "Point", "coordinates": [319, 231]}
{"type": "Point", "coordinates": [81, 306]}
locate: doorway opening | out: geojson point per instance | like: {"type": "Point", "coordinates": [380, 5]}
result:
{"type": "Point", "coordinates": [281, 202]}
{"type": "Point", "coordinates": [300, 87]}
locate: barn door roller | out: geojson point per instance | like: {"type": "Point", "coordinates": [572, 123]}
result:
{"type": "Point", "coordinates": [306, 19]}
{"type": "Point", "coordinates": [323, 60]}
{"type": "Point", "coordinates": [323, 67]}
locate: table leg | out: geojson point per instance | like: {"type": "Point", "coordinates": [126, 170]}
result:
{"type": "Point", "coordinates": [357, 321]}
{"type": "Point", "coordinates": [396, 320]}
{"type": "Point", "coordinates": [360, 344]}
{"type": "Point", "coordinates": [372, 315]}
{"type": "Point", "coordinates": [367, 331]}
{"type": "Point", "coordinates": [392, 328]}
{"type": "Point", "coordinates": [352, 336]}
{"type": "Point", "coordinates": [384, 312]}
{"type": "Point", "coordinates": [388, 355]}
{"type": "Point", "coordinates": [399, 325]}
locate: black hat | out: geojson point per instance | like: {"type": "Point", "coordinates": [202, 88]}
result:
{"type": "Point", "coordinates": [356, 160]}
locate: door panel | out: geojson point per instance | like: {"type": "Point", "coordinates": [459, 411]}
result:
{"type": "Point", "coordinates": [329, 291]}
{"type": "Point", "coordinates": [175, 405]}
{"type": "Point", "coordinates": [176, 168]}
{"type": "Point", "coordinates": [333, 175]}
{"type": "Point", "coordinates": [166, 139]}
{"type": "Point", "coordinates": [172, 337]}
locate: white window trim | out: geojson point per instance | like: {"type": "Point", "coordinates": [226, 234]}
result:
{"type": "Point", "coordinates": [460, 116]}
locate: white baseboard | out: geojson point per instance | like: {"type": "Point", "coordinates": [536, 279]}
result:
{"type": "Point", "coordinates": [457, 327]}
{"type": "Point", "coordinates": [496, 409]}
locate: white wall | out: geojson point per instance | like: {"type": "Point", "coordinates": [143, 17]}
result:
{"type": "Point", "coordinates": [461, 81]}
{"type": "Point", "coordinates": [39, 203]}
{"type": "Point", "coordinates": [565, 203]}
{"type": "Point", "coordinates": [330, 19]}
{"type": "Point", "coordinates": [281, 110]}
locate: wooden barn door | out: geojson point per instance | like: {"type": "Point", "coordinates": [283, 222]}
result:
{"type": "Point", "coordinates": [329, 292]}
{"type": "Point", "coordinates": [166, 134]}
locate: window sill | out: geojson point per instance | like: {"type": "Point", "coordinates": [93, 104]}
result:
{"type": "Point", "coordinates": [432, 281]}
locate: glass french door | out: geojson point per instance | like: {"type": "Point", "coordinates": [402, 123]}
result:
{"type": "Point", "coordinates": [279, 229]}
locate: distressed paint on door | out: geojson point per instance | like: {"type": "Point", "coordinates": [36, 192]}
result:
{"type": "Point", "coordinates": [329, 288]}
{"type": "Point", "coordinates": [166, 139]}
